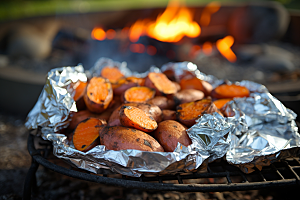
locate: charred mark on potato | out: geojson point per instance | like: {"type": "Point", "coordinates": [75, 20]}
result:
{"type": "Point", "coordinates": [83, 146]}
{"type": "Point", "coordinates": [138, 139]}
{"type": "Point", "coordinates": [147, 143]}
{"type": "Point", "coordinates": [174, 126]}
{"type": "Point", "coordinates": [115, 146]}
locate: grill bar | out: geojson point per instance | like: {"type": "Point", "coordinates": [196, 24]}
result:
{"type": "Point", "coordinates": [160, 182]}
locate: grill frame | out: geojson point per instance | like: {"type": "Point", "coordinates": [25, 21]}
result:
{"type": "Point", "coordinates": [145, 182]}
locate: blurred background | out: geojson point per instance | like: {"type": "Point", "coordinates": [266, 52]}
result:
{"type": "Point", "coordinates": [234, 40]}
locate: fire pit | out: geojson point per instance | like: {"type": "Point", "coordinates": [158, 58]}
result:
{"type": "Point", "coordinates": [220, 176]}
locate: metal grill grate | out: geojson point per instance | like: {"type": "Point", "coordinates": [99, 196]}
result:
{"type": "Point", "coordinates": [220, 176]}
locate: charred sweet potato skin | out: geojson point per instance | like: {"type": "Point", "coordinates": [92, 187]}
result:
{"type": "Point", "coordinates": [162, 102]}
{"type": "Point", "coordinates": [169, 115]}
{"type": "Point", "coordinates": [122, 138]}
{"type": "Point", "coordinates": [86, 134]}
{"type": "Point", "coordinates": [188, 113]}
{"type": "Point", "coordinates": [169, 133]}
{"type": "Point", "coordinates": [134, 117]}
{"type": "Point", "coordinates": [98, 107]}
{"type": "Point", "coordinates": [187, 95]}
{"type": "Point", "coordinates": [151, 110]}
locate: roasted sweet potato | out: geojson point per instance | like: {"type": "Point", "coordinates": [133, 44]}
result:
{"type": "Point", "coordinates": [122, 85]}
{"type": "Point", "coordinates": [122, 138]}
{"type": "Point", "coordinates": [138, 94]}
{"type": "Point", "coordinates": [77, 91]}
{"type": "Point", "coordinates": [169, 133]}
{"type": "Point", "coordinates": [187, 95]}
{"type": "Point", "coordinates": [229, 91]}
{"type": "Point", "coordinates": [187, 113]}
{"type": "Point", "coordinates": [151, 110]}
{"type": "Point", "coordinates": [98, 94]}
{"type": "Point", "coordinates": [86, 134]}
{"type": "Point", "coordinates": [160, 83]}
{"type": "Point", "coordinates": [170, 73]}
{"type": "Point", "coordinates": [162, 102]}
{"type": "Point", "coordinates": [113, 74]}
{"type": "Point", "coordinates": [221, 102]}
{"type": "Point", "coordinates": [195, 83]}
{"type": "Point", "coordinates": [134, 117]}
{"type": "Point", "coordinates": [169, 115]}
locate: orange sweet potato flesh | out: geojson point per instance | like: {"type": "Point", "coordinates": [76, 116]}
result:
{"type": "Point", "coordinates": [98, 94]}
{"type": "Point", "coordinates": [150, 110]}
{"type": "Point", "coordinates": [187, 113]}
{"type": "Point", "coordinates": [195, 83]}
{"type": "Point", "coordinates": [86, 134]}
{"type": "Point", "coordinates": [160, 83]}
{"type": "Point", "coordinates": [134, 117]}
{"type": "Point", "coordinates": [113, 74]}
{"type": "Point", "coordinates": [221, 102]}
{"type": "Point", "coordinates": [169, 133]}
{"type": "Point", "coordinates": [77, 90]}
{"type": "Point", "coordinates": [229, 91]}
{"type": "Point", "coordinates": [122, 138]}
{"type": "Point", "coordinates": [138, 94]}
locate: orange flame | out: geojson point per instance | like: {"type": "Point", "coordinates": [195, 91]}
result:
{"type": "Point", "coordinates": [137, 30]}
{"type": "Point", "coordinates": [224, 45]}
{"type": "Point", "coordinates": [175, 23]}
{"type": "Point", "coordinates": [210, 9]}
{"type": "Point", "coordinates": [98, 34]}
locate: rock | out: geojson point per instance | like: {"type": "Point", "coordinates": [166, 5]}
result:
{"type": "Point", "coordinates": [35, 42]}
{"type": "Point", "coordinates": [274, 63]}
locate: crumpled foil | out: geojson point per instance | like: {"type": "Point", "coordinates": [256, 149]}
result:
{"type": "Point", "coordinates": [261, 128]}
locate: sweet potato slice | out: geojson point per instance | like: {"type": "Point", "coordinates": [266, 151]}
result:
{"type": "Point", "coordinates": [187, 95]}
{"type": "Point", "coordinates": [187, 113]}
{"type": "Point", "coordinates": [138, 94]}
{"type": "Point", "coordinates": [150, 110]}
{"type": "Point", "coordinates": [113, 74]}
{"type": "Point", "coordinates": [86, 134]}
{"type": "Point", "coordinates": [230, 91]}
{"type": "Point", "coordinates": [122, 138]}
{"type": "Point", "coordinates": [160, 83]}
{"type": "Point", "coordinates": [221, 102]}
{"type": "Point", "coordinates": [134, 117]}
{"type": "Point", "coordinates": [169, 133]}
{"type": "Point", "coordinates": [77, 91]}
{"type": "Point", "coordinates": [195, 83]}
{"type": "Point", "coordinates": [162, 102]}
{"type": "Point", "coordinates": [98, 94]}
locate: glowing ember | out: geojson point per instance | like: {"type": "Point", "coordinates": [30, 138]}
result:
{"type": "Point", "coordinates": [207, 48]}
{"type": "Point", "coordinates": [137, 48]}
{"type": "Point", "coordinates": [224, 45]}
{"type": "Point", "coordinates": [110, 34]}
{"type": "Point", "coordinates": [98, 34]}
{"type": "Point", "coordinates": [175, 23]}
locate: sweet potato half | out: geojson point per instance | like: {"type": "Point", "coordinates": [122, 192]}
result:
{"type": "Point", "coordinates": [187, 113]}
{"type": "Point", "coordinates": [150, 110]}
{"type": "Point", "coordinates": [229, 91]}
{"type": "Point", "coordinates": [86, 134]}
{"type": "Point", "coordinates": [98, 94]}
{"type": "Point", "coordinates": [187, 95]}
{"type": "Point", "coordinates": [138, 94]}
{"type": "Point", "coordinates": [197, 84]}
{"type": "Point", "coordinates": [134, 117]}
{"type": "Point", "coordinates": [122, 138]}
{"type": "Point", "coordinates": [113, 74]}
{"type": "Point", "coordinates": [162, 102]}
{"type": "Point", "coordinates": [160, 83]}
{"type": "Point", "coordinates": [169, 133]}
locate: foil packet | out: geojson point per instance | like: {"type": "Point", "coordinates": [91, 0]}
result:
{"type": "Point", "coordinates": [213, 136]}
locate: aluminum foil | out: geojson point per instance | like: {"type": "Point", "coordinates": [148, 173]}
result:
{"type": "Point", "coordinates": [260, 130]}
